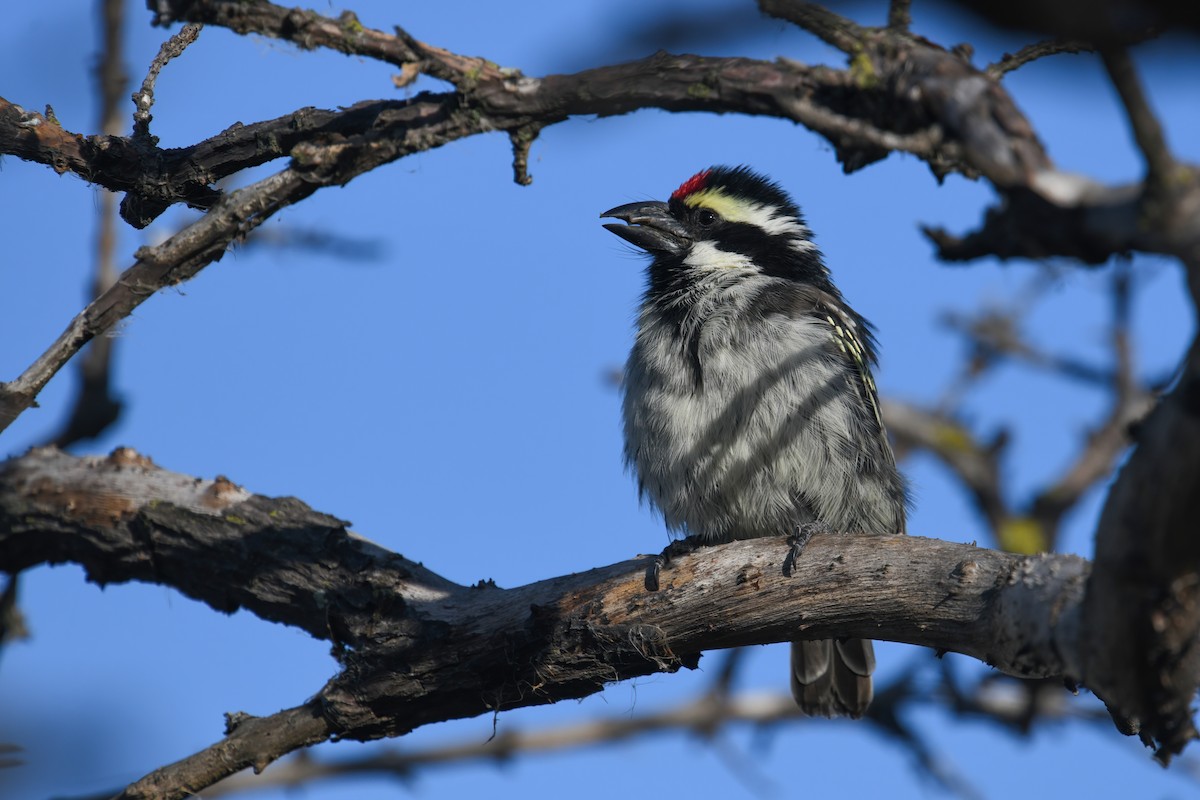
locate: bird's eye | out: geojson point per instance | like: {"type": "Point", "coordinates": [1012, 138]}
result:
{"type": "Point", "coordinates": [706, 218]}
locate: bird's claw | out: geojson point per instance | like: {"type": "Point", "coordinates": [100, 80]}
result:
{"type": "Point", "coordinates": [797, 542]}
{"type": "Point", "coordinates": [676, 549]}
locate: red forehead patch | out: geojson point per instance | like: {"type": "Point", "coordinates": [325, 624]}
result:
{"type": "Point", "coordinates": [692, 184]}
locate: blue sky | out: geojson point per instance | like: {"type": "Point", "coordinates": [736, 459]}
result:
{"type": "Point", "coordinates": [449, 397]}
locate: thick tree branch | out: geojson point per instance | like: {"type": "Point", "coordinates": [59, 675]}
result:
{"type": "Point", "coordinates": [1143, 603]}
{"type": "Point", "coordinates": [900, 92]}
{"type": "Point", "coordinates": [415, 648]}
{"type": "Point", "coordinates": [915, 104]}
{"type": "Point", "coordinates": [1062, 214]}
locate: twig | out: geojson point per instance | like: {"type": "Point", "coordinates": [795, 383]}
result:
{"type": "Point", "coordinates": [1147, 131]}
{"type": "Point", "coordinates": [927, 143]}
{"type": "Point", "coordinates": [237, 214]}
{"type": "Point", "coordinates": [172, 262]}
{"type": "Point", "coordinates": [900, 15]}
{"type": "Point", "coordinates": [992, 698]}
{"type": "Point", "coordinates": [886, 713]}
{"type": "Point", "coordinates": [12, 622]}
{"type": "Point", "coordinates": [522, 140]}
{"type": "Point", "coordinates": [95, 407]}
{"type": "Point", "coordinates": [1104, 446]}
{"type": "Point", "coordinates": [993, 336]}
{"type": "Point", "coordinates": [727, 674]}
{"type": "Point", "coordinates": [316, 241]}
{"type": "Point", "coordinates": [143, 98]}
{"type": "Point", "coordinates": [306, 29]}
{"type": "Point", "coordinates": [9, 755]}
{"type": "Point", "coordinates": [1032, 52]}
{"type": "Point", "coordinates": [252, 742]}
{"type": "Point", "coordinates": [975, 465]}
{"type": "Point", "coordinates": [831, 28]}
{"type": "Point", "coordinates": [701, 715]}
{"type": "Point", "coordinates": [111, 77]}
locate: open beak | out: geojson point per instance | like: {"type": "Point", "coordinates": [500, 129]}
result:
{"type": "Point", "coordinates": [651, 227]}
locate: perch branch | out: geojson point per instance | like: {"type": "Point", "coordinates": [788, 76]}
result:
{"type": "Point", "coordinates": [470, 650]}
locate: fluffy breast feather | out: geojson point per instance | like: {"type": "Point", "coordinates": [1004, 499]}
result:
{"type": "Point", "coordinates": [742, 424]}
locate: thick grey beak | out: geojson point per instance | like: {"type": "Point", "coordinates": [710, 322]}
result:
{"type": "Point", "coordinates": [651, 227]}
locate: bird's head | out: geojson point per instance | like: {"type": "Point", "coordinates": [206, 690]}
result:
{"type": "Point", "coordinates": [726, 223]}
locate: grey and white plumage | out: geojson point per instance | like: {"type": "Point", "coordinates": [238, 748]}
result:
{"type": "Point", "coordinates": [749, 404]}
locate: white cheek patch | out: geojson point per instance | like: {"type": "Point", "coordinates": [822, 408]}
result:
{"type": "Point", "coordinates": [707, 256]}
{"type": "Point", "coordinates": [770, 220]}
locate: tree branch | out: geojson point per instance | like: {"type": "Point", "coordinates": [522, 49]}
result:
{"type": "Point", "coordinates": [900, 14]}
{"type": "Point", "coordinates": [1032, 52]}
{"type": "Point", "coordinates": [415, 648]}
{"type": "Point", "coordinates": [915, 104]}
{"type": "Point", "coordinates": [1107, 442]}
{"type": "Point", "coordinates": [899, 93]}
{"type": "Point", "coordinates": [252, 742]}
{"type": "Point", "coordinates": [143, 99]}
{"type": "Point", "coordinates": [1147, 131]}
{"type": "Point", "coordinates": [831, 28]}
{"type": "Point", "coordinates": [974, 464]}
{"type": "Point", "coordinates": [95, 407]}
{"type": "Point", "coordinates": [1143, 603]}
{"type": "Point", "coordinates": [172, 262]}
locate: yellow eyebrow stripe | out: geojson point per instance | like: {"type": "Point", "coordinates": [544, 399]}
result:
{"type": "Point", "coordinates": [729, 208]}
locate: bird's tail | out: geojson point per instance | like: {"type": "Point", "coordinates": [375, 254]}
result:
{"type": "Point", "coordinates": [832, 678]}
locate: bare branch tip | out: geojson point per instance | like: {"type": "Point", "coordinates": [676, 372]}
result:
{"type": "Point", "coordinates": [522, 140]}
{"type": "Point", "coordinates": [1147, 130]}
{"type": "Point", "coordinates": [834, 29]}
{"type": "Point", "coordinates": [900, 15]}
{"type": "Point", "coordinates": [1032, 52]}
{"type": "Point", "coordinates": [143, 98]}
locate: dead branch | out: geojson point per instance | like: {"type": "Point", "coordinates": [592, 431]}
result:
{"type": "Point", "coordinates": [976, 465]}
{"type": "Point", "coordinates": [1143, 602]}
{"type": "Point", "coordinates": [172, 262]}
{"type": "Point", "coordinates": [95, 407]}
{"type": "Point", "coordinates": [1104, 445]}
{"type": "Point", "coordinates": [1032, 52]}
{"type": "Point", "coordinates": [900, 14]}
{"type": "Point", "coordinates": [415, 648]}
{"type": "Point", "coordinates": [900, 92]}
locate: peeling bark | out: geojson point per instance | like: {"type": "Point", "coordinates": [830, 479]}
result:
{"type": "Point", "coordinates": [415, 648]}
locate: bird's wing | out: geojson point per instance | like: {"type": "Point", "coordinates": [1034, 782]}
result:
{"type": "Point", "coordinates": [851, 339]}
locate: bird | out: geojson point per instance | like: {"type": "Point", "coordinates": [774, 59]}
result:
{"type": "Point", "coordinates": [750, 408]}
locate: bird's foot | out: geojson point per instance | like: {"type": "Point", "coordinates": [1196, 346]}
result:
{"type": "Point", "coordinates": [676, 549]}
{"type": "Point", "coordinates": [798, 540]}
